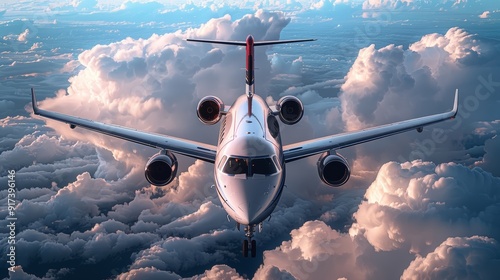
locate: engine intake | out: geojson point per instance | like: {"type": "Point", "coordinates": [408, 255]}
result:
{"type": "Point", "coordinates": [333, 169]}
{"type": "Point", "coordinates": [161, 168]}
{"type": "Point", "coordinates": [210, 109]}
{"type": "Point", "coordinates": [290, 109]}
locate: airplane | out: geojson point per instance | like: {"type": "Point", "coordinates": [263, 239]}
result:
{"type": "Point", "coordinates": [249, 158]}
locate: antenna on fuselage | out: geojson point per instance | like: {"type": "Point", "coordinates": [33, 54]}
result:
{"type": "Point", "coordinates": [250, 44]}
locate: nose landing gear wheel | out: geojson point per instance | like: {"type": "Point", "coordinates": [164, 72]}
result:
{"type": "Point", "coordinates": [249, 243]}
{"type": "Point", "coordinates": [254, 248]}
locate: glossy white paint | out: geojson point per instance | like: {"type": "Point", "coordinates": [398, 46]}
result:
{"type": "Point", "coordinates": [249, 198]}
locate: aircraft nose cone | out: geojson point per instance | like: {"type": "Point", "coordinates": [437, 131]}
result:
{"type": "Point", "coordinates": [247, 212]}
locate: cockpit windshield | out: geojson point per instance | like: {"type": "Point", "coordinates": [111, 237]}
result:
{"type": "Point", "coordinates": [262, 166]}
{"type": "Point", "coordinates": [236, 166]}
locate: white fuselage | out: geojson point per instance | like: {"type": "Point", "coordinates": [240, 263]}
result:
{"type": "Point", "coordinates": [249, 167]}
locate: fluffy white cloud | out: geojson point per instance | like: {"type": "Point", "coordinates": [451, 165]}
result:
{"type": "Point", "coordinates": [457, 45]}
{"type": "Point", "coordinates": [433, 200]}
{"type": "Point", "coordinates": [466, 258]}
{"type": "Point", "coordinates": [183, 254]}
{"type": "Point", "coordinates": [148, 273]}
{"type": "Point", "coordinates": [308, 255]}
{"type": "Point", "coordinates": [485, 14]}
{"type": "Point", "coordinates": [148, 83]}
{"type": "Point", "coordinates": [381, 78]}
{"type": "Point", "coordinates": [19, 274]}
{"type": "Point", "coordinates": [207, 218]}
{"type": "Point", "coordinates": [217, 272]}
{"type": "Point", "coordinates": [421, 80]}
{"type": "Point", "coordinates": [41, 149]}
{"type": "Point", "coordinates": [23, 36]}
{"type": "Point", "coordinates": [491, 159]}
{"type": "Point", "coordinates": [411, 210]}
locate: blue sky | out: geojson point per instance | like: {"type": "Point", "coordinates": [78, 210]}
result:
{"type": "Point", "coordinates": [416, 206]}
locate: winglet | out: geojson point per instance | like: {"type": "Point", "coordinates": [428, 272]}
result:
{"type": "Point", "coordinates": [33, 102]}
{"type": "Point", "coordinates": [455, 104]}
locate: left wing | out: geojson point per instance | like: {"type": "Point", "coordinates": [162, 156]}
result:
{"type": "Point", "coordinates": [181, 146]}
{"type": "Point", "coordinates": [304, 149]}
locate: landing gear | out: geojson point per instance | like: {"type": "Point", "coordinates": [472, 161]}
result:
{"type": "Point", "coordinates": [245, 248]}
{"type": "Point", "coordinates": [249, 243]}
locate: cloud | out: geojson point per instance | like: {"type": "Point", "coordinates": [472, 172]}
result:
{"type": "Point", "coordinates": [450, 197]}
{"type": "Point", "coordinates": [149, 273]}
{"type": "Point", "coordinates": [23, 36]}
{"type": "Point", "coordinates": [84, 4]}
{"type": "Point", "coordinates": [380, 77]}
{"type": "Point", "coordinates": [204, 220]}
{"type": "Point", "coordinates": [422, 79]}
{"type": "Point", "coordinates": [491, 159]}
{"type": "Point", "coordinates": [182, 254]}
{"type": "Point", "coordinates": [412, 4]}
{"type": "Point", "coordinates": [272, 272]}
{"type": "Point", "coordinates": [457, 44]}
{"type": "Point", "coordinates": [223, 272]}
{"type": "Point", "coordinates": [468, 258]}
{"type": "Point", "coordinates": [163, 75]}
{"type": "Point", "coordinates": [485, 14]}
{"type": "Point", "coordinates": [5, 105]}
{"type": "Point", "coordinates": [308, 255]}
{"type": "Point", "coordinates": [19, 274]}
{"type": "Point", "coordinates": [444, 212]}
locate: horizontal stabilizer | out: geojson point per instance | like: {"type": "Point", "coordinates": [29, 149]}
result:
{"type": "Point", "coordinates": [236, 43]}
{"type": "Point", "coordinates": [243, 43]}
{"type": "Point", "coordinates": [265, 43]}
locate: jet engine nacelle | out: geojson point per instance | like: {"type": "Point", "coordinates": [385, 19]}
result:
{"type": "Point", "coordinates": [161, 168]}
{"type": "Point", "coordinates": [290, 109]}
{"type": "Point", "coordinates": [210, 109]}
{"type": "Point", "coordinates": [333, 169]}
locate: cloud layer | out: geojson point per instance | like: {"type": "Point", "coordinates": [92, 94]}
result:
{"type": "Point", "coordinates": [420, 220]}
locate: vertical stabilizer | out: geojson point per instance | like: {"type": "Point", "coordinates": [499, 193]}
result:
{"type": "Point", "coordinates": [250, 44]}
{"type": "Point", "coordinates": [250, 79]}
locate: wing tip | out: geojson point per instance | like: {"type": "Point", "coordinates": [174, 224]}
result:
{"type": "Point", "coordinates": [455, 104]}
{"type": "Point", "coordinates": [33, 101]}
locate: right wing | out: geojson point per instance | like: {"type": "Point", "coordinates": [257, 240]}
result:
{"type": "Point", "coordinates": [181, 146]}
{"type": "Point", "coordinates": [304, 149]}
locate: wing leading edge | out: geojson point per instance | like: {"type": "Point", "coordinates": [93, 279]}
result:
{"type": "Point", "coordinates": [181, 146]}
{"type": "Point", "coordinates": [304, 149]}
